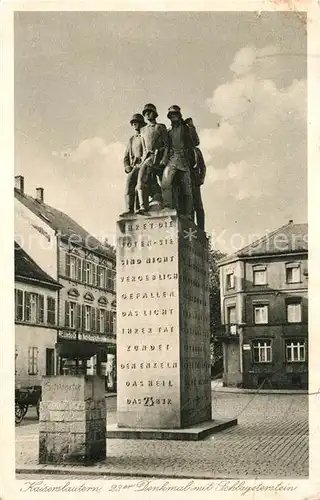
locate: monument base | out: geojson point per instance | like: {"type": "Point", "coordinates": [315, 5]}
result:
{"type": "Point", "coordinates": [192, 433]}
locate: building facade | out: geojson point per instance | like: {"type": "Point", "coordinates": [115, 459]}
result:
{"type": "Point", "coordinates": [85, 269]}
{"type": "Point", "coordinates": [35, 321]}
{"type": "Point", "coordinates": [264, 311]}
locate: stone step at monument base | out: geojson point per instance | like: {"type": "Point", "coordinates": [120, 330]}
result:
{"type": "Point", "coordinates": [192, 433]}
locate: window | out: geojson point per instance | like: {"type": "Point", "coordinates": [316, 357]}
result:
{"type": "Point", "coordinates": [101, 320]}
{"type": "Point", "coordinates": [259, 275]}
{"type": "Point", "coordinates": [29, 307]}
{"type": "Point", "coordinates": [70, 314]}
{"type": "Point", "coordinates": [261, 314]}
{"type": "Point", "coordinates": [72, 267]}
{"type": "Point", "coordinates": [33, 361]}
{"type": "Point", "coordinates": [87, 272]}
{"type": "Point", "coordinates": [230, 280]}
{"type": "Point", "coordinates": [262, 351]}
{"type": "Point", "coordinates": [294, 312]}
{"type": "Point", "coordinates": [102, 277]}
{"type": "Point", "coordinates": [19, 305]}
{"type": "Point", "coordinates": [293, 273]}
{"type": "Point", "coordinates": [296, 351]}
{"type": "Point", "coordinates": [51, 311]}
{"type": "Point", "coordinates": [88, 318]}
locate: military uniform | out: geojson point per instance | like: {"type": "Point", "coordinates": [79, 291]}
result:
{"type": "Point", "coordinates": [132, 162]}
{"type": "Point", "coordinates": [182, 140]}
{"type": "Point", "coordinates": [155, 152]}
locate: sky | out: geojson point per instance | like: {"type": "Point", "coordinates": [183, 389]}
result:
{"type": "Point", "coordinates": [79, 77]}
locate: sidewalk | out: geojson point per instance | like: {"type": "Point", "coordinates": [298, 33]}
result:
{"type": "Point", "coordinates": [217, 386]}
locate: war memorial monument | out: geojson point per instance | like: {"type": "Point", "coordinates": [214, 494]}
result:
{"type": "Point", "coordinates": [163, 315]}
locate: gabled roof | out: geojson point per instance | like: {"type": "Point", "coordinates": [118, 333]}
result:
{"type": "Point", "coordinates": [290, 238]}
{"type": "Point", "coordinates": [25, 269]}
{"type": "Point", "coordinates": [64, 225]}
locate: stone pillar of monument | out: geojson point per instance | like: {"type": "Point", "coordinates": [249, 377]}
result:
{"type": "Point", "coordinates": [163, 330]}
{"type": "Point", "coordinates": [72, 427]}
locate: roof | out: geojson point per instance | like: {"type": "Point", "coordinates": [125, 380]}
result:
{"type": "Point", "coordinates": [25, 269]}
{"type": "Point", "coordinates": [290, 238]}
{"type": "Point", "coordinates": [64, 225]}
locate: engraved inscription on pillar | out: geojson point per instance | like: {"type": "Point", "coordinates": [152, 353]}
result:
{"type": "Point", "coordinates": [148, 324]}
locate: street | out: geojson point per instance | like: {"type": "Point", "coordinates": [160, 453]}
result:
{"type": "Point", "coordinates": [270, 440]}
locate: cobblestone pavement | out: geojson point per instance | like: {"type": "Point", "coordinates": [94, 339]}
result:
{"type": "Point", "coordinates": [270, 440]}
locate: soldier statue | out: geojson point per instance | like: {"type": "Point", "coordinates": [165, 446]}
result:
{"type": "Point", "coordinates": [132, 162]}
{"type": "Point", "coordinates": [183, 138]}
{"type": "Point", "coordinates": [167, 165]}
{"type": "Point", "coordinates": [155, 151]}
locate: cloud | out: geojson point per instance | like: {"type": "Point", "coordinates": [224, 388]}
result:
{"type": "Point", "coordinates": [258, 149]}
{"type": "Point", "coordinates": [96, 166]}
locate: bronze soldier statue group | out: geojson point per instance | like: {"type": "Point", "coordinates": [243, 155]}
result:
{"type": "Point", "coordinates": [164, 167]}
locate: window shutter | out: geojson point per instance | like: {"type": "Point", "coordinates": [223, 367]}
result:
{"type": "Point", "coordinates": [84, 265]}
{"type": "Point", "coordinates": [41, 308]}
{"type": "Point", "coordinates": [94, 274]}
{"type": "Point", "coordinates": [113, 281]}
{"type": "Point", "coordinates": [98, 320]}
{"type": "Point", "coordinates": [78, 269]}
{"type": "Point", "coordinates": [35, 360]}
{"type": "Point", "coordinates": [78, 317]}
{"type": "Point", "coordinates": [67, 314]}
{"type": "Point", "coordinates": [83, 312]}
{"type": "Point", "coordinates": [93, 319]}
{"type": "Point", "coordinates": [19, 305]}
{"type": "Point", "coordinates": [67, 264]}
{"type": "Point", "coordinates": [27, 306]}
{"type": "Point", "coordinates": [106, 321]}
{"type": "Point", "coordinates": [113, 325]}
{"type": "Point", "coordinates": [30, 350]}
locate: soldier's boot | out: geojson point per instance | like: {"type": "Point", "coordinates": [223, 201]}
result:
{"type": "Point", "coordinates": [143, 202]}
{"type": "Point", "coordinates": [129, 206]}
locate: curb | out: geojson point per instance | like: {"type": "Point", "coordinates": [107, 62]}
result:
{"type": "Point", "coordinates": [258, 391]}
{"type": "Point", "coordinates": [100, 472]}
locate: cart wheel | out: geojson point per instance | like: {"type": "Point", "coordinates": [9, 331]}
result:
{"type": "Point", "coordinates": [24, 409]}
{"type": "Point", "coordinates": [38, 408]}
{"type": "Point", "coordinates": [18, 413]}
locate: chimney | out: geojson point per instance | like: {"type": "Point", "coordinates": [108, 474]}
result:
{"type": "Point", "coordinates": [291, 221]}
{"type": "Point", "coordinates": [19, 183]}
{"type": "Point", "coordinates": [39, 195]}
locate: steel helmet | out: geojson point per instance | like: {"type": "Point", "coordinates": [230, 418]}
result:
{"type": "Point", "coordinates": [174, 109]}
{"type": "Point", "coordinates": [150, 107]}
{"type": "Point", "coordinates": [137, 117]}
